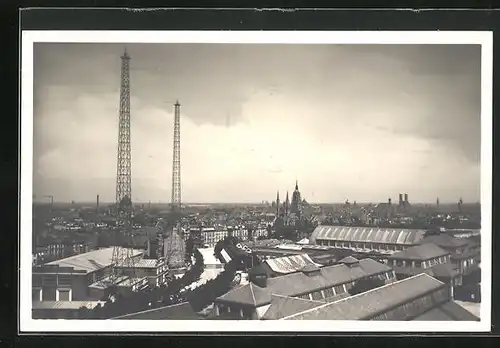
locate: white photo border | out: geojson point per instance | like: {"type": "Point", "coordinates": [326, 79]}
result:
{"type": "Point", "coordinates": [27, 324]}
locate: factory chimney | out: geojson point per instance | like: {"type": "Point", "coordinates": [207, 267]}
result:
{"type": "Point", "coordinates": [97, 205]}
{"type": "Point", "coordinates": [406, 198]}
{"type": "Point", "coordinates": [400, 199]}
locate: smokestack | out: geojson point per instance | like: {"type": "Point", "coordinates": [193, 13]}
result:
{"type": "Point", "coordinates": [400, 199]}
{"type": "Point", "coordinates": [406, 198]}
{"type": "Point", "coordinates": [97, 205]}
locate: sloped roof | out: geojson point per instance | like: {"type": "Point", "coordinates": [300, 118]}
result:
{"type": "Point", "coordinates": [368, 304]}
{"type": "Point", "coordinates": [445, 270]}
{"type": "Point", "coordinates": [349, 260]}
{"type": "Point", "coordinates": [289, 264]}
{"type": "Point", "coordinates": [282, 306]}
{"type": "Point", "coordinates": [299, 283]}
{"type": "Point", "coordinates": [249, 294]}
{"type": "Point", "coordinates": [91, 261]}
{"type": "Point", "coordinates": [145, 263]}
{"type": "Point", "coordinates": [420, 252]}
{"type": "Point", "coordinates": [445, 240]}
{"type": "Point", "coordinates": [449, 311]}
{"type": "Point", "coordinates": [181, 311]}
{"type": "Point", "coordinates": [367, 235]}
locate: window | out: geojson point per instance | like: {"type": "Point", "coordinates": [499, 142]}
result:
{"type": "Point", "coordinates": [64, 280]}
{"type": "Point", "coordinates": [328, 292]}
{"type": "Point", "coordinates": [36, 294]}
{"type": "Point", "coordinates": [48, 295]}
{"type": "Point", "coordinates": [339, 289]}
{"type": "Point", "coordinates": [304, 296]}
{"type": "Point", "coordinates": [316, 296]}
{"type": "Point", "coordinates": [63, 295]}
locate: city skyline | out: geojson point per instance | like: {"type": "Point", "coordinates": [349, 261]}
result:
{"type": "Point", "coordinates": [245, 121]}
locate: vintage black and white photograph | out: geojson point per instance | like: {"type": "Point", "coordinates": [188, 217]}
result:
{"type": "Point", "coordinates": [259, 181]}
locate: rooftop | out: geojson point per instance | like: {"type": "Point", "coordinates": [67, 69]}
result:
{"type": "Point", "coordinates": [445, 241]}
{"type": "Point", "coordinates": [282, 306]}
{"type": "Point", "coordinates": [91, 261]}
{"type": "Point", "coordinates": [289, 264]}
{"type": "Point", "coordinates": [249, 294]}
{"type": "Point", "coordinates": [65, 304]}
{"type": "Point", "coordinates": [449, 311]}
{"type": "Point", "coordinates": [420, 252]}
{"type": "Point", "coordinates": [298, 283]}
{"type": "Point", "coordinates": [368, 304]}
{"type": "Point", "coordinates": [146, 263]}
{"type": "Point", "coordinates": [368, 235]}
{"type": "Point", "coordinates": [181, 311]}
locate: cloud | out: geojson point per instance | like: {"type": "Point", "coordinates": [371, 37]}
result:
{"type": "Point", "coordinates": [255, 119]}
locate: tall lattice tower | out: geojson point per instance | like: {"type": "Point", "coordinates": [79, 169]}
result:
{"type": "Point", "coordinates": [123, 256]}
{"type": "Point", "coordinates": [124, 163]}
{"type": "Point", "coordinates": [176, 164]}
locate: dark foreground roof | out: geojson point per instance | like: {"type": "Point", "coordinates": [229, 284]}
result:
{"type": "Point", "coordinates": [298, 283]}
{"type": "Point", "coordinates": [367, 305]}
{"type": "Point", "coordinates": [181, 311]}
{"type": "Point", "coordinates": [282, 306]}
{"type": "Point", "coordinates": [449, 311]}
{"type": "Point", "coordinates": [248, 294]}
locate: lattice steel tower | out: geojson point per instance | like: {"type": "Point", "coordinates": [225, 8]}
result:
{"type": "Point", "coordinates": [122, 257]}
{"type": "Point", "coordinates": [176, 165]}
{"type": "Point", "coordinates": [124, 163]}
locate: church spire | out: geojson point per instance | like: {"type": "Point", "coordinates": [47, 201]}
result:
{"type": "Point", "coordinates": [296, 185]}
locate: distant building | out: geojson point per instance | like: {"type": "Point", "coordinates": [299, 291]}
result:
{"type": "Point", "coordinates": [465, 255]}
{"type": "Point", "coordinates": [251, 301]}
{"type": "Point", "coordinates": [154, 270]}
{"type": "Point", "coordinates": [425, 258]}
{"type": "Point", "coordinates": [381, 240]}
{"type": "Point", "coordinates": [83, 277]}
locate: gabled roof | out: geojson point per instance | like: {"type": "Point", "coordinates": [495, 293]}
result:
{"type": "Point", "coordinates": [349, 260]}
{"type": "Point", "coordinates": [445, 241]}
{"type": "Point", "coordinates": [367, 305]}
{"type": "Point", "coordinates": [282, 306]}
{"type": "Point", "coordinates": [445, 270]}
{"type": "Point", "coordinates": [420, 252]}
{"type": "Point", "coordinates": [248, 294]}
{"type": "Point", "coordinates": [91, 261]}
{"type": "Point", "coordinates": [299, 283]}
{"type": "Point", "coordinates": [367, 235]}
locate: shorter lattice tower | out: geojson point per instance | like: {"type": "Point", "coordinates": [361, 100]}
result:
{"type": "Point", "coordinates": [176, 161]}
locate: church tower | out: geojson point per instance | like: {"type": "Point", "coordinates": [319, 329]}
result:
{"type": "Point", "coordinates": [277, 203]}
{"type": "Point", "coordinates": [287, 204]}
{"type": "Point", "coordinates": [296, 200]}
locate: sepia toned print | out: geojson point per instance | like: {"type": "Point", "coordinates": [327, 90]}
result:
{"type": "Point", "coordinates": [257, 182]}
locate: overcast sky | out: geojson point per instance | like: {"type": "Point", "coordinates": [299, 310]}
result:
{"type": "Point", "coordinates": [350, 122]}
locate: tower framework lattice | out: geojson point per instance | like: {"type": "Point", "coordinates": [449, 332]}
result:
{"type": "Point", "coordinates": [124, 162]}
{"type": "Point", "coordinates": [176, 164]}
